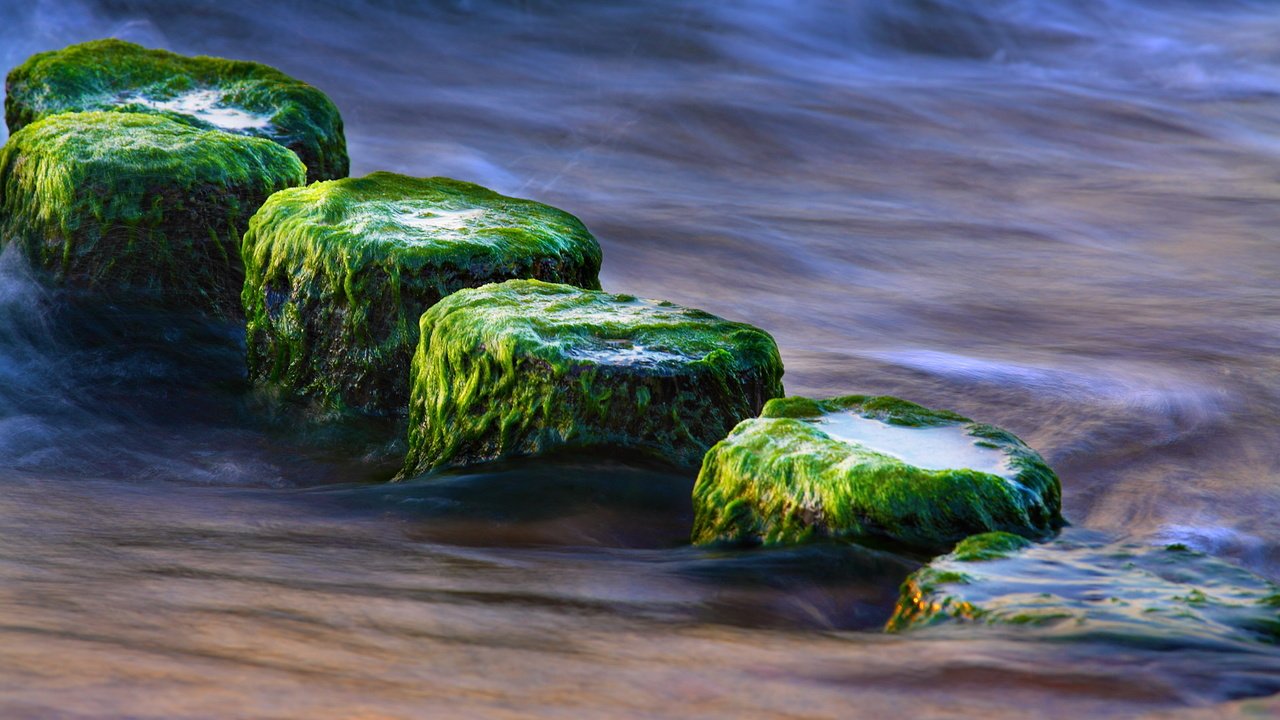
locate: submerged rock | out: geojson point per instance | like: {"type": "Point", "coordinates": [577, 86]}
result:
{"type": "Point", "coordinates": [339, 273]}
{"type": "Point", "coordinates": [861, 467]}
{"type": "Point", "coordinates": [235, 96]}
{"type": "Point", "coordinates": [138, 206]}
{"type": "Point", "coordinates": [1079, 589]}
{"type": "Point", "coordinates": [525, 367]}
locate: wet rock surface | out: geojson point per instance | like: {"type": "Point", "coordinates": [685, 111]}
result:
{"type": "Point", "coordinates": [526, 367]}
{"type": "Point", "coordinates": [339, 273]}
{"type": "Point", "coordinates": [870, 468]}
{"type": "Point", "coordinates": [138, 207]}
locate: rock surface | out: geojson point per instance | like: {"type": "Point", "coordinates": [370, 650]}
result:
{"type": "Point", "coordinates": [1077, 587]}
{"type": "Point", "coordinates": [339, 274]}
{"type": "Point", "coordinates": [138, 205]}
{"type": "Point", "coordinates": [526, 367]}
{"type": "Point", "coordinates": [864, 468]}
{"type": "Point", "coordinates": [235, 96]}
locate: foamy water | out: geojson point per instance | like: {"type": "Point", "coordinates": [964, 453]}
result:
{"type": "Point", "coordinates": [206, 105]}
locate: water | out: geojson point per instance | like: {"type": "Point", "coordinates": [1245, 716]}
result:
{"type": "Point", "coordinates": [932, 448]}
{"type": "Point", "coordinates": [205, 105]}
{"type": "Point", "coordinates": [1054, 216]}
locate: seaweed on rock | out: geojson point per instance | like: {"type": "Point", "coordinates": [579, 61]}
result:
{"type": "Point", "coordinates": [866, 468]}
{"type": "Point", "coordinates": [138, 205]}
{"type": "Point", "coordinates": [526, 367]}
{"type": "Point", "coordinates": [339, 273]}
{"type": "Point", "coordinates": [236, 96]}
{"type": "Point", "coordinates": [1081, 589]}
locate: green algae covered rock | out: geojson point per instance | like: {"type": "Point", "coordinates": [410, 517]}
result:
{"type": "Point", "coordinates": [138, 205]}
{"type": "Point", "coordinates": [1078, 589]}
{"type": "Point", "coordinates": [339, 273]}
{"type": "Point", "coordinates": [870, 468]}
{"type": "Point", "coordinates": [245, 98]}
{"type": "Point", "coordinates": [525, 367]}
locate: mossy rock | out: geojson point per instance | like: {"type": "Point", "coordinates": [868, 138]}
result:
{"type": "Point", "coordinates": [138, 207]}
{"type": "Point", "coordinates": [526, 367]}
{"type": "Point", "coordinates": [339, 274]}
{"type": "Point", "coordinates": [1085, 589]}
{"type": "Point", "coordinates": [870, 469]}
{"type": "Point", "coordinates": [245, 98]}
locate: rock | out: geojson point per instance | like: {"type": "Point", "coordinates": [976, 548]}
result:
{"type": "Point", "coordinates": [1077, 587]}
{"type": "Point", "coordinates": [339, 273]}
{"type": "Point", "coordinates": [235, 96]}
{"type": "Point", "coordinates": [868, 468]}
{"type": "Point", "coordinates": [138, 206]}
{"type": "Point", "coordinates": [526, 367]}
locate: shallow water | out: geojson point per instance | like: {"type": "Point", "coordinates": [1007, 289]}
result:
{"type": "Point", "coordinates": [932, 448]}
{"type": "Point", "coordinates": [1058, 217]}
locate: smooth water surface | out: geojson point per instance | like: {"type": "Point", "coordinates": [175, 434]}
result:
{"type": "Point", "coordinates": [941, 447]}
{"type": "Point", "coordinates": [1055, 216]}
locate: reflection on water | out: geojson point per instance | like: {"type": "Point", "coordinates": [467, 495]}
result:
{"type": "Point", "coordinates": [933, 448]}
{"type": "Point", "coordinates": [1054, 216]}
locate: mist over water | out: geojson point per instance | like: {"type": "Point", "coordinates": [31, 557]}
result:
{"type": "Point", "coordinates": [1058, 217]}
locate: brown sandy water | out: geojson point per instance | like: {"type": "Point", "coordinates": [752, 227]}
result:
{"type": "Point", "coordinates": [1059, 217]}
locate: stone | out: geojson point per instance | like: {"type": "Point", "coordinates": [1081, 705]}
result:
{"type": "Point", "coordinates": [868, 468]}
{"type": "Point", "coordinates": [235, 96]}
{"type": "Point", "coordinates": [1080, 587]}
{"type": "Point", "coordinates": [138, 207]}
{"type": "Point", "coordinates": [338, 274]}
{"type": "Point", "coordinates": [526, 368]}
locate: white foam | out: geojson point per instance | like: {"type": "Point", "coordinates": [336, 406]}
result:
{"type": "Point", "coordinates": [206, 105]}
{"type": "Point", "coordinates": [622, 352]}
{"type": "Point", "coordinates": [437, 219]}
{"type": "Point", "coordinates": [943, 447]}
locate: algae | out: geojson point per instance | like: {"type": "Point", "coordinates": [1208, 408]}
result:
{"type": "Point", "coordinates": [1074, 589]}
{"type": "Point", "coordinates": [785, 478]}
{"type": "Point", "coordinates": [339, 273]}
{"type": "Point", "coordinates": [525, 367]}
{"type": "Point", "coordinates": [235, 96]}
{"type": "Point", "coordinates": [138, 205]}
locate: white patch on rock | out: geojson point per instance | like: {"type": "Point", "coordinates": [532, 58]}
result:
{"type": "Point", "coordinates": [946, 447]}
{"type": "Point", "coordinates": [624, 352]}
{"type": "Point", "coordinates": [439, 219]}
{"type": "Point", "coordinates": [206, 105]}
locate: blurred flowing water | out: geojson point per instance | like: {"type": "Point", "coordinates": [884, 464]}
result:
{"type": "Point", "coordinates": [1057, 216]}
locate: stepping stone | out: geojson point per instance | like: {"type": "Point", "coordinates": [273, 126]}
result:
{"type": "Point", "coordinates": [868, 468]}
{"type": "Point", "coordinates": [245, 98]}
{"type": "Point", "coordinates": [138, 207]}
{"type": "Point", "coordinates": [527, 367]}
{"type": "Point", "coordinates": [339, 273]}
{"type": "Point", "coordinates": [1080, 588]}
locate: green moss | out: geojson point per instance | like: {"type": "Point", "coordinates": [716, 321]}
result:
{"type": "Point", "coordinates": [244, 97]}
{"type": "Point", "coordinates": [525, 367]}
{"type": "Point", "coordinates": [783, 479]}
{"type": "Point", "coordinates": [339, 273]}
{"type": "Point", "coordinates": [138, 205]}
{"type": "Point", "coordinates": [989, 546]}
{"type": "Point", "coordinates": [1131, 593]}
{"type": "Point", "coordinates": [892, 410]}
